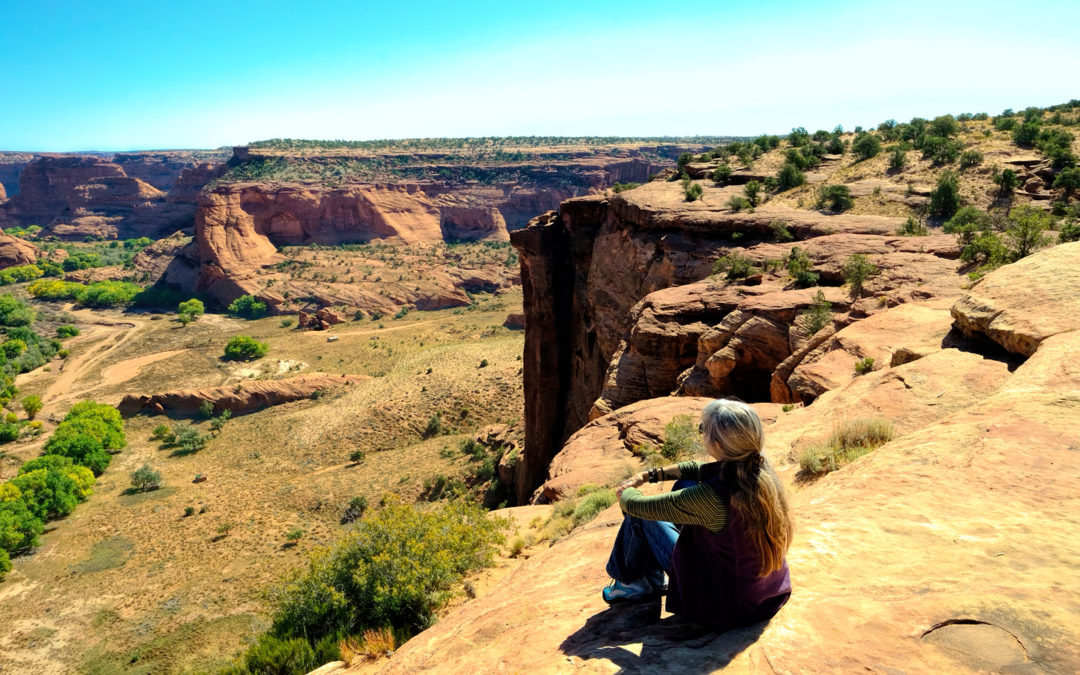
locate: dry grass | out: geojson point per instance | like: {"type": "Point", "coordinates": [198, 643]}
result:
{"type": "Point", "coordinates": [848, 441]}
{"type": "Point", "coordinates": [181, 596]}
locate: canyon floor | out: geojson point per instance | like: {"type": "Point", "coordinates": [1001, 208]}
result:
{"type": "Point", "coordinates": [129, 583]}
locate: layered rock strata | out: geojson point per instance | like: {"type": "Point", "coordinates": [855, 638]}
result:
{"type": "Point", "coordinates": [240, 398]}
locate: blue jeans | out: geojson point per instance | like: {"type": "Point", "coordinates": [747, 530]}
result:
{"type": "Point", "coordinates": [643, 546]}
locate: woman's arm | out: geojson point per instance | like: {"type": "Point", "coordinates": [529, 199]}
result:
{"type": "Point", "coordinates": [696, 505]}
{"type": "Point", "coordinates": [663, 473]}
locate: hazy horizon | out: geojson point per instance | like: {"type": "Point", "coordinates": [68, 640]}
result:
{"type": "Point", "coordinates": [130, 77]}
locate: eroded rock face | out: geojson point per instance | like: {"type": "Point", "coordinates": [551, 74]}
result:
{"type": "Point", "coordinates": [15, 251]}
{"type": "Point", "coordinates": [1020, 305]}
{"type": "Point", "coordinates": [892, 554]}
{"type": "Point", "coordinates": [594, 348]}
{"type": "Point", "coordinates": [240, 398]}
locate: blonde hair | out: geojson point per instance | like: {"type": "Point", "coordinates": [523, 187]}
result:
{"type": "Point", "coordinates": [734, 436]}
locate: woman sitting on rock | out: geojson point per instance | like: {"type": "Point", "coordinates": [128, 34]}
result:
{"type": "Point", "coordinates": [720, 534]}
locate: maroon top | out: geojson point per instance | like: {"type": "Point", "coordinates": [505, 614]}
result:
{"type": "Point", "coordinates": [714, 575]}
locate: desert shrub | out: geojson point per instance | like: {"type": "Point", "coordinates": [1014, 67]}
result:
{"type": "Point", "coordinates": [912, 228]}
{"type": "Point", "coordinates": [247, 307]}
{"type": "Point", "coordinates": [836, 145]}
{"type": "Point", "coordinates": [145, 478]}
{"type": "Point", "coordinates": [818, 314]}
{"type": "Point", "coordinates": [190, 310]}
{"type": "Point", "coordinates": [1069, 231]}
{"type": "Point", "coordinates": [945, 198]}
{"type": "Point", "coordinates": [19, 274]}
{"type": "Point", "coordinates": [780, 231]}
{"type": "Point", "coordinates": [857, 269]}
{"type": "Point", "coordinates": [1068, 180]}
{"type": "Point", "coordinates": [206, 409]}
{"type": "Point", "coordinates": [87, 433]}
{"type": "Point", "coordinates": [394, 569]}
{"type": "Point", "coordinates": [65, 331]}
{"type": "Point", "coordinates": [12, 349]}
{"type": "Point", "coordinates": [32, 406]}
{"type": "Point", "coordinates": [19, 527]}
{"type": "Point", "coordinates": [721, 173]}
{"type": "Point", "coordinates": [1025, 230]}
{"type": "Point", "coordinates": [970, 158]}
{"type": "Point", "coordinates": [1007, 181]}
{"type": "Point", "coordinates": [681, 438]}
{"type": "Point", "coordinates": [945, 126]}
{"type": "Point", "coordinates": [941, 150]}
{"type": "Point", "coordinates": [355, 509]}
{"type": "Point", "coordinates": [107, 294]}
{"type": "Point", "coordinates": [8, 432]}
{"type": "Point", "coordinates": [735, 265]}
{"type": "Point", "coordinates": [798, 137]}
{"type": "Point", "coordinates": [434, 426]}
{"type": "Point", "coordinates": [737, 203]}
{"type": "Point", "coordinates": [789, 176]}
{"type": "Point", "coordinates": [218, 423]}
{"type": "Point", "coordinates": [294, 535]}
{"type": "Point", "coordinates": [592, 504]}
{"type": "Point", "coordinates": [189, 438]}
{"type": "Point", "coordinates": [271, 655]}
{"type": "Point", "coordinates": [834, 197]}
{"type": "Point", "coordinates": [245, 348]}
{"type": "Point", "coordinates": [691, 190]}
{"type": "Point", "coordinates": [51, 486]}
{"type": "Point", "coordinates": [848, 441]}
{"type": "Point", "coordinates": [866, 145]}
{"type": "Point", "coordinates": [864, 366]}
{"type": "Point", "coordinates": [800, 268]}
{"type": "Point", "coordinates": [623, 187]}
{"type": "Point", "coordinates": [752, 190]}
{"type": "Point", "coordinates": [1004, 123]}
{"type": "Point", "coordinates": [897, 158]}
{"type": "Point", "coordinates": [1057, 145]}
{"type": "Point", "coordinates": [1025, 134]}
{"type": "Point", "coordinates": [161, 432]}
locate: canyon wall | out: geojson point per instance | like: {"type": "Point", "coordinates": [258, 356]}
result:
{"type": "Point", "coordinates": [620, 306]}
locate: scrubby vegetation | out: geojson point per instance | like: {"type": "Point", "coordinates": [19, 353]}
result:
{"type": "Point", "coordinates": [245, 348]}
{"type": "Point", "coordinates": [848, 441]}
{"type": "Point", "coordinates": [97, 294]}
{"type": "Point", "coordinates": [247, 307]}
{"type": "Point", "coordinates": [393, 571]}
{"type": "Point", "coordinates": [51, 485]}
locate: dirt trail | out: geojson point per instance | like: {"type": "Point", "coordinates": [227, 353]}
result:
{"type": "Point", "coordinates": [370, 331]}
{"type": "Point", "coordinates": [126, 370]}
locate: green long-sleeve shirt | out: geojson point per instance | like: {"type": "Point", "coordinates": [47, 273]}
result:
{"type": "Point", "coordinates": [696, 505]}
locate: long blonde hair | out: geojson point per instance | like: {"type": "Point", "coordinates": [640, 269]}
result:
{"type": "Point", "coordinates": [734, 436]}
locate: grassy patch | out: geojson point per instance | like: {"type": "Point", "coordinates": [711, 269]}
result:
{"type": "Point", "coordinates": [107, 554]}
{"type": "Point", "coordinates": [848, 441]}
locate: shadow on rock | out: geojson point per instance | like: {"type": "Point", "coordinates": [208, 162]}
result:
{"type": "Point", "coordinates": [669, 644]}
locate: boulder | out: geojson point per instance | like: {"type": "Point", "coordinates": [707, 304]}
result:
{"type": "Point", "coordinates": [15, 251]}
{"type": "Point", "coordinates": [1020, 305]}
{"type": "Point", "coordinates": [240, 398]}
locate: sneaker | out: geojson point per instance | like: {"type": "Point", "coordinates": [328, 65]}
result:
{"type": "Point", "coordinates": [619, 592]}
{"type": "Point", "coordinates": [658, 580]}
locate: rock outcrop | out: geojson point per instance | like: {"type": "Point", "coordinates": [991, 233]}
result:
{"type": "Point", "coordinates": [950, 548]}
{"type": "Point", "coordinates": [1022, 304]}
{"type": "Point", "coordinates": [616, 288]}
{"type": "Point", "coordinates": [15, 251]}
{"type": "Point", "coordinates": [240, 398]}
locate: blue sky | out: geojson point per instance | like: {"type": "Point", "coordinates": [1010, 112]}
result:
{"type": "Point", "coordinates": [116, 75]}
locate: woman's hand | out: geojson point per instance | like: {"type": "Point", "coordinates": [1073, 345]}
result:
{"type": "Point", "coordinates": [631, 482]}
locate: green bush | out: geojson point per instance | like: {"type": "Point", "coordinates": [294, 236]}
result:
{"type": "Point", "coordinates": [13, 348]}
{"type": "Point", "coordinates": [1025, 134]}
{"type": "Point", "coordinates": [591, 505]}
{"type": "Point", "coordinates": [245, 348]}
{"type": "Point", "coordinates": [897, 158]}
{"type": "Point", "coordinates": [789, 177]}
{"type": "Point", "coordinates": [394, 569]}
{"type": "Point", "coordinates": [752, 190]}
{"type": "Point", "coordinates": [848, 441]}
{"type": "Point", "coordinates": [247, 307]}
{"type": "Point", "coordinates": [623, 187]}
{"type": "Point", "coordinates": [818, 314]}
{"type": "Point", "coordinates": [19, 527]}
{"type": "Point", "coordinates": [681, 439]}
{"type": "Point", "coordinates": [941, 150]}
{"type": "Point", "coordinates": [107, 294]}
{"type": "Point", "coordinates": [19, 274]}
{"type": "Point", "coordinates": [1068, 180]}
{"type": "Point", "coordinates": [162, 432]}
{"type": "Point", "coordinates": [87, 433]}
{"type": "Point", "coordinates": [912, 228]}
{"type": "Point", "coordinates": [189, 438]}
{"type": "Point", "coordinates": [145, 478]}
{"type": "Point", "coordinates": [780, 231]}
{"type": "Point", "coordinates": [734, 265]}
{"type": "Point", "coordinates": [800, 268]}
{"type": "Point", "coordinates": [737, 203]}
{"type": "Point", "coordinates": [273, 656]}
{"type": "Point", "coordinates": [945, 198]}
{"type": "Point", "coordinates": [218, 423]}
{"type": "Point", "coordinates": [1025, 230]}
{"type": "Point", "coordinates": [32, 406]}
{"type": "Point", "coordinates": [691, 190]}
{"type": "Point", "coordinates": [866, 145]}
{"type": "Point", "coordinates": [835, 198]}
{"type": "Point", "coordinates": [857, 269]}
{"type": "Point", "coordinates": [190, 310]}
{"type": "Point", "coordinates": [65, 331]}
{"type": "Point", "coordinates": [864, 366]}
{"type": "Point", "coordinates": [1007, 181]}
{"type": "Point", "coordinates": [945, 126]}
{"type": "Point", "coordinates": [721, 173]}
{"type": "Point", "coordinates": [970, 158]}
{"type": "Point", "coordinates": [51, 486]}
{"type": "Point", "coordinates": [433, 428]}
